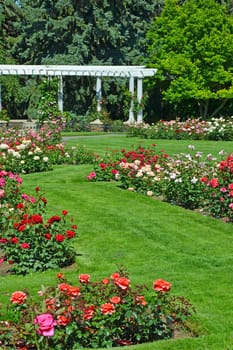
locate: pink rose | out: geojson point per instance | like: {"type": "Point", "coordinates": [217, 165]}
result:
{"type": "Point", "coordinates": [46, 325]}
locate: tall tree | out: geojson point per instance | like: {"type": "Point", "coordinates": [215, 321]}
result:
{"type": "Point", "coordinates": [192, 47]}
{"type": "Point", "coordinates": [13, 96]}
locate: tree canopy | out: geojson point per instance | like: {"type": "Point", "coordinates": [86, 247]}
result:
{"type": "Point", "coordinates": [192, 46]}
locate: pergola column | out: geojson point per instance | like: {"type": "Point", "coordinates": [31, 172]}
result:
{"type": "Point", "coordinates": [139, 99]}
{"type": "Point", "coordinates": [0, 97]}
{"type": "Point", "coordinates": [60, 94]}
{"type": "Point", "coordinates": [98, 93]}
{"type": "Point", "coordinates": [131, 90]}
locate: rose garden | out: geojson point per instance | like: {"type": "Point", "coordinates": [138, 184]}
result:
{"type": "Point", "coordinates": [118, 240]}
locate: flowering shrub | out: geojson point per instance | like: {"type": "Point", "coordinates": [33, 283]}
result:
{"type": "Point", "coordinates": [177, 179]}
{"type": "Point", "coordinates": [29, 239]}
{"type": "Point", "coordinates": [214, 129]}
{"type": "Point", "coordinates": [94, 314]}
{"type": "Point", "coordinates": [220, 190]}
{"type": "Point", "coordinates": [27, 151]}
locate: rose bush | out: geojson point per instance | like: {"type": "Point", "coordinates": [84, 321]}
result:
{"type": "Point", "coordinates": [191, 129]}
{"type": "Point", "coordinates": [26, 151]}
{"type": "Point", "coordinates": [178, 179]}
{"type": "Point", "coordinates": [30, 240]}
{"type": "Point", "coordinates": [92, 314]}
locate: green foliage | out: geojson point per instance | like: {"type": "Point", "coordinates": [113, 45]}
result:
{"type": "Point", "coordinates": [191, 45]}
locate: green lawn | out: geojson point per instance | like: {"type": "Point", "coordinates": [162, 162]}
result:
{"type": "Point", "coordinates": [108, 142]}
{"type": "Point", "coordinates": [150, 238]}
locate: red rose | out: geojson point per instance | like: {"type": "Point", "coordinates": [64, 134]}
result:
{"type": "Point", "coordinates": [63, 320]}
{"type": "Point", "coordinates": [60, 238]}
{"type": "Point", "coordinates": [18, 297]}
{"type": "Point", "coordinates": [70, 234]}
{"type": "Point", "coordinates": [213, 182]}
{"type": "Point", "coordinates": [64, 212]}
{"type": "Point", "coordinates": [204, 179]}
{"type": "Point", "coordinates": [20, 206]}
{"type": "Point", "coordinates": [115, 300]}
{"type": "Point", "coordinates": [21, 228]}
{"type": "Point", "coordinates": [84, 278]}
{"type": "Point", "coordinates": [25, 245]}
{"type": "Point", "coordinates": [161, 286]}
{"type": "Point", "coordinates": [53, 219]}
{"type": "Point", "coordinates": [36, 219]}
{"type": "Point", "coordinates": [122, 282]}
{"type": "Point", "coordinates": [89, 312]}
{"type": "Point", "coordinates": [69, 290]}
{"type": "Point", "coordinates": [107, 309]}
{"type": "Point", "coordinates": [14, 240]}
{"type": "Point", "coordinates": [115, 275]}
{"type": "Point", "coordinates": [105, 281]}
{"type": "Point", "coordinates": [48, 236]}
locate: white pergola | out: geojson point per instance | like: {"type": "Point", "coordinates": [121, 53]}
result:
{"type": "Point", "coordinates": [133, 73]}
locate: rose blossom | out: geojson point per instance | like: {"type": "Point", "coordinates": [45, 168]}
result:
{"type": "Point", "coordinates": [25, 245]}
{"type": "Point", "coordinates": [105, 281]}
{"type": "Point", "coordinates": [107, 309]}
{"type": "Point", "coordinates": [115, 275]}
{"type": "Point", "coordinates": [18, 297]}
{"type": "Point", "coordinates": [115, 300]}
{"type": "Point", "coordinates": [46, 324]}
{"type": "Point", "coordinates": [63, 320]}
{"type": "Point", "coordinates": [69, 290]}
{"type": "Point", "coordinates": [122, 282]}
{"type": "Point", "coordinates": [84, 278]}
{"type": "Point", "coordinates": [89, 312]}
{"type": "Point", "coordinates": [60, 238]}
{"type": "Point", "coordinates": [161, 286]}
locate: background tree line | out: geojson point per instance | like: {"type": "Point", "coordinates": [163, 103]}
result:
{"type": "Point", "coordinates": [189, 42]}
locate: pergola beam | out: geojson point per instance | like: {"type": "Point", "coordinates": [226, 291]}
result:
{"type": "Point", "coordinates": [131, 72]}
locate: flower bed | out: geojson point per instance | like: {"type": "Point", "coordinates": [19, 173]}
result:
{"type": "Point", "coordinates": [30, 240]}
{"type": "Point", "coordinates": [106, 313]}
{"type": "Point", "coordinates": [191, 129]}
{"type": "Point", "coordinates": [26, 151]}
{"type": "Point", "coordinates": [187, 180]}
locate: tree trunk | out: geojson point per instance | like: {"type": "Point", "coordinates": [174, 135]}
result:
{"type": "Point", "coordinates": [219, 108]}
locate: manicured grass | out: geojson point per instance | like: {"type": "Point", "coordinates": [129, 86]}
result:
{"type": "Point", "coordinates": [109, 142]}
{"type": "Point", "coordinates": [150, 238]}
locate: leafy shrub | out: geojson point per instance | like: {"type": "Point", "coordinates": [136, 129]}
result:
{"type": "Point", "coordinates": [93, 314]}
